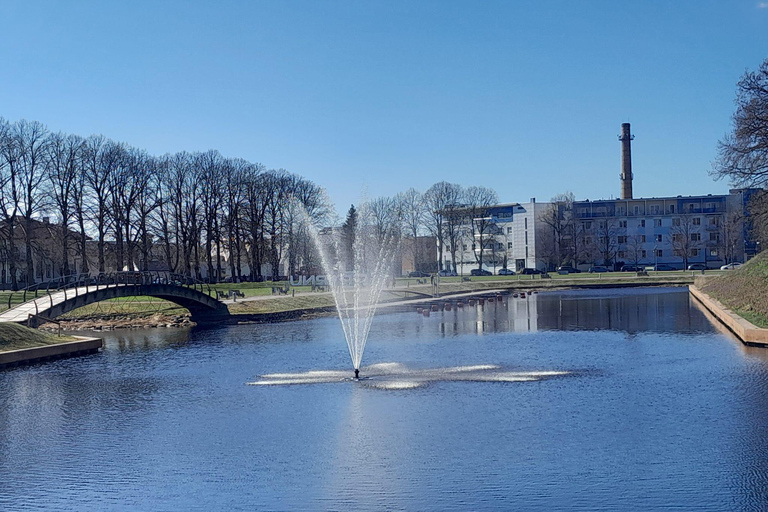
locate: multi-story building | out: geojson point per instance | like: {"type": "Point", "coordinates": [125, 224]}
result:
{"type": "Point", "coordinates": [675, 231]}
{"type": "Point", "coordinates": [509, 236]}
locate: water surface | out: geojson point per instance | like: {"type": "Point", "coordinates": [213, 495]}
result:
{"type": "Point", "coordinates": [643, 405]}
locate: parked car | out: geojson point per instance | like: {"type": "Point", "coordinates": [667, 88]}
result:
{"type": "Point", "coordinates": [697, 266]}
{"type": "Point", "coordinates": [418, 274]}
{"type": "Point", "coordinates": [730, 266]}
{"type": "Point", "coordinates": [479, 272]}
{"type": "Point", "coordinates": [632, 268]}
{"type": "Point", "coordinates": [661, 267]}
{"type": "Point", "coordinates": [531, 271]}
{"type": "Point", "coordinates": [598, 269]}
{"type": "Point", "coordinates": [506, 272]}
{"type": "Point", "coordinates": [447, 273]}
{"type": "Point", "coordinates": [569, 269]}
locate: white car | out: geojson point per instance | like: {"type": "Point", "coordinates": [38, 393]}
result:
{"type": "Point", "coordinates": [730, 266]}
{"type": "Point", "coordinates": [506, 272]}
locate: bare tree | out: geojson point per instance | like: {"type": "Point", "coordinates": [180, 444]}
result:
{"type": "Point", "coordinates": [479, 201]}
{"type": "Point", "coordinates": [634, 249]}
{"type": "Point", "coordinates": [440, 199]}
{"type": "Point", "coordinates": [743, 153]}
{"type": "Point", "coordinates": [10, 194]}
{"type": "Point", "coordinates": [410, 205]}
{"type": "Point", "coordinates": [64, 160]}
{"type": "Point", "coordinates": [685, 237]}
{"type": "Point", "coordinates": [32, 140]}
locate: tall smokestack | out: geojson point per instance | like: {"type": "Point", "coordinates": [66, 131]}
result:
{"type": "Point", "coordinates": [626, 161]}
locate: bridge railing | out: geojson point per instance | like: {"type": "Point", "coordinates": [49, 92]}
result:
{"type": "Point", "coordinates": [75, 283]}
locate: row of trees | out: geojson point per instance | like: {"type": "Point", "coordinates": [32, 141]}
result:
{"type": "Point", "coordinates": [453, 214]}
{"type": "Point", "coordinates": [187, 209]}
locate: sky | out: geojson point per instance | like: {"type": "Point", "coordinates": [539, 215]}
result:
{"type": "Point", "coordinates": [374, 97]}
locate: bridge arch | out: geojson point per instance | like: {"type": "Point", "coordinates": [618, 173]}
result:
{"type": "Point", "coordinates": [203, 307]}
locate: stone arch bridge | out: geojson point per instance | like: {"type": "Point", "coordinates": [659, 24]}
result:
{"type": "Point", "coordinates": [54, 299]}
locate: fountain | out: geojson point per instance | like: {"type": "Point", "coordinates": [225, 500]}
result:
{"type": "Point", "coordinates": [357, 266]}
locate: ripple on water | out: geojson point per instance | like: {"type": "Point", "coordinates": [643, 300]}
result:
{"type": "Point", "coordinates": [396, 376]}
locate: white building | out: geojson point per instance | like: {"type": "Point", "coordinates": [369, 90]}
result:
{"type": "Point", "coordinates": [512, 238]}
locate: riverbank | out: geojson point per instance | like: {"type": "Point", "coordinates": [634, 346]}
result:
{"type": "Point", "coordinates": [140, 313]}
{"type": "Point", "coordinates": [746, 331]}
{"type": "Point", "coordinates": [21, 345]}
{"type": "Point", "coordinates": [744, 291]}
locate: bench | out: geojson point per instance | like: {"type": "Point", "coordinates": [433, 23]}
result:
{"type": "Point", "coordinates": [236, 293]}
{"type": "Point", "coordinates": [221, 295]}
{"type": "Point", "coordinates": [319, 288]}
{"type": "Point", "coordinates": [546, 276]}
{"type": "Point", "coordinates": [280, 290]}
{"type": "Point", "coordinates": [642, 273]}
{"type": "Point", "coordinates": [465, 279]}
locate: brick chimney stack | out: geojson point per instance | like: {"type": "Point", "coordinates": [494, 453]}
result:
{"type": "Point", "coordinates": [626, 161]}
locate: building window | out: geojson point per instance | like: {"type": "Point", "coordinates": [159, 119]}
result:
{"type": "Point", "coordinates": [714, 221]}
{"type": "Point", "coordinates": [526, 223]}
{"type": "Point", "coordinates": [622, 224]}
{"type": "Point", "coordinates": [588, 225]}
{"type": "Point", "coordinates": [621, 254]}
{"type": "Point", "coordinates": [676, 221]}
{"type": "Point", "coordinates": [509, 245]}
{"type": "Point", "coordinates": [509, 231]}
{"type": "Point", "coordinates": [676, 237]}
{"type": "Point", "coordinates": [714, 237]}
{"type": "Point", "coordinates": [694, 252]}
{"type": "Point", "coordinates": [697, 221]}
{"type": "Point", "coordinates": [642, 223]}
{"type": "Point", "coordinates": [671, 208]}
{"type": "Point", "coordinates": [658, 238]}
{"type": "Point", "coordinates": [659, 253]}
{"type": "Point", "coordinates": [713, 252]}
{"type": "Point", "coordinates": [637, 210]}
{"type": "Point", "coordinates": [622, 239]}
{"type": "Point", "coordinates": [526, 238]}
{"type": "Point", "coordinates": [657, 223]}
{"type": "Point", "coordinates": [695, 237]}
{"type": "Point", "coordinates": [642, 238]}
{"type": "Point", "coordinates": [643, 254]}
{"type": "Point", "coordinates": [464, 247]}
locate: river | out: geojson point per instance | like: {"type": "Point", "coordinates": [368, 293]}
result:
{"type": "Point", "coordinates": [635, 401]}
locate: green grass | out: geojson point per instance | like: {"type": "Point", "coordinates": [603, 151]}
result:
{"type": "Point", "coordinates": [16, 337]}
{"type": "Point", "coordinates": [744, 291]}
{"type": "Point", "coordinates": [281, 304]}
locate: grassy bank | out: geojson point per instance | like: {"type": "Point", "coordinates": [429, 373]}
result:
{"type": "Point", "coordinates": [149, 311]}
{"type": "Point", "coordinates": [16, 337]}
{"type": "Point", "coordinates": [745, 291]}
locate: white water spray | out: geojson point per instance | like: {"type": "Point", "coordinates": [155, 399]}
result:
{"type": "Point", "coordinates": [356, 271]}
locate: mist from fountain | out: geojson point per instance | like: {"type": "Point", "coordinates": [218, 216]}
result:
{"type": "Point", "coordinates": [356, 273]}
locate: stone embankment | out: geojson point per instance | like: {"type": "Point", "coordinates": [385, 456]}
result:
{"type": "Point", "coordinates": [746, 331]}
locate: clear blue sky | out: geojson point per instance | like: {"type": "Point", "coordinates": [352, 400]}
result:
{"type": "Point", "coordinates": [526, 97]}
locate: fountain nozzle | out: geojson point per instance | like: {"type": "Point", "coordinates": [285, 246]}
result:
{"type": "Point", "coordinates": [357, 373]}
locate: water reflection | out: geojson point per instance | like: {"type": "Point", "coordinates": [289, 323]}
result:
{"type": "Point", "coordinates": [622, 310]}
